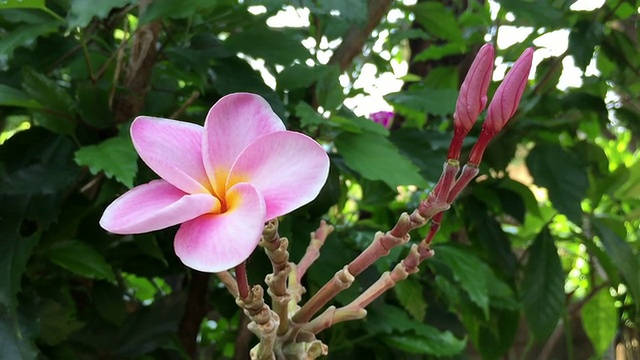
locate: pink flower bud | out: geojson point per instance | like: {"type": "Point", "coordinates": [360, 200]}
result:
{"type": "Point", "coordinates": [506, 99]}
{"type": "Point", "coordinates": [473, 92]}
{"type": "Point", "coordinates": [383, 118]}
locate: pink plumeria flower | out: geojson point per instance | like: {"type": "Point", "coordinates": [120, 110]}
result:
{"type": "Point", "coordinates": [383, 118]}
{"type": "Point", "coordinates": [221, 182]}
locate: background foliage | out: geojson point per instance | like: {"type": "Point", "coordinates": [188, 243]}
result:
{"type": "Point", "coordinates": [540, 256]}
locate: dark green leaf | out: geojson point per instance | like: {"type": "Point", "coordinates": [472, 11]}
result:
{"type": "Point", "coordinates": [272, 45]}
{"type": "Point", "coordinates": [563, 175]}
{"type": "Point", "coordinates": [437, 52]}
{"type": "Point", "coordinates": [173, 9]}
{"type": "Point", "coordinates": [81, 259]}
{"type": "Point", "coordinates": [300, 76]}
{"type": "Point", "coordinates": [429, 340]}
{"type": "Point", "coordinates": [543, 297]}
{"type": "Point", "coordinates": [56, 322]}
{"type": "Point", "coordinates": [14, 97]}
{"type": "Point", "coordinates": [600, 320]}
{"type": "Point", "coordinates": [374, 157]}
{"type": "Point", "coordinates": [58, 108]}
{"type": "Point", "coordinates": [25, 35]}
{"type": "Point", "coordinates": [116, 157]}
{"type": "Point", "coordinates": [94, 106]}
{"type": "Point", "coordinates": [329, 92]}
{"type": "Point", "coordinates": [83, 11]}
{"type": "Point", "coordinates": [583, 38]}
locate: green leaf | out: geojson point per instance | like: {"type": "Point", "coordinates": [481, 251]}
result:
{"type": "Point", "coordinates": [351, 10]}
{"type": "Point", "coordinates": [374, 157]}
{"type": "Point", "coordinates": [308, 115]}
{"type": "Point", "coordinates": [428, 340]}
{"type": "Point", "coordinates": [16, 4]}
{"type": "Point", "coordinates": [468, 271]}
{"type": "Point", "coordinates": [81, 259]}
{"type": "Point", "coordinates": [409, 293]}
{"type": "Point", "coordinates": [437, 52]}
{"type": "Point", "coordinates": [426, 100]}
{"type": "Point", "coordinates": [600, 320]}
{"type": "Point", "coordinates": [583, 38]}
{"type": "Point", "coordinates": [300, 76]}
{"type": "Point", "coordinates": [116, 157]}
{"type": "Point", "coordinates": [329, 92]}
{"type": "Point", "coordinates": [621, 253]}
{"type": "Point", "coordinates": [94, 106]}
{"type": "Point", "coordinates": [58, 108]}
{"type": "Point", "coordinates": [14, 97]}
{"type": "Point", "coordinates": [543, 297]}
{"type": "Point", "coordinates": [563, 175]}
{"type": "Point", "coordinates": [81, 11]}
{"type": "Point", "coordinates": [56, 322]}
{"type": "Point", "coordinates": [173, 9]}
{"type": "Point", "coordinates": [275, 46]}
{"type": "Point", "coordinates": [438, 21]}
{"type": "Point", "coordinates": [25, 35]}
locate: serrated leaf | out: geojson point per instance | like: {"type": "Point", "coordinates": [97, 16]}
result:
{"type": "Point", "coordinates": [81, 11]}
{"type": "Point", "coordinates": [58, 108]}
{"type": "Point", "coordinates": [470, 273]}
{"type": "Point", "coordinates": [563, 175]}
{"type": "Point", "coordinates": [374, 157]}
{"type": "Point", "coordinates": [25, 35]}
{"type": "Point", "coordinates": [116, 157]}
{"type": "Point", "coordinates": [600, 320]}
{"type": "Point", "coordinates": [81, 259]}
{"type": "Point", "coordinates": [409, 293]}
{"type": "Point", "coordinates": [300, 76]}
{"type": "Point", "coordinates": [14, 97]}
{"type": "Point", "coordinates": [543, 297]}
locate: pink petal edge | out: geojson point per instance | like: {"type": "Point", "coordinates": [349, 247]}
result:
{"type": "Point", "coordinates": [154, 206]}
{"type": "Point", "coordinates": [173, 150]}
{"type": "Point", "coordinates": [288, 169]}
{"type": "Point", "coordinates": [233, 123]}
{"type": "Point", "coordinates": [217, 242]}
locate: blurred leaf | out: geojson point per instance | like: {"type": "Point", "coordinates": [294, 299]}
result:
{"type": "Point", "coordinates": [351, 10]}
{"type": "Point", "coordinates": [622, 254]}
{"type": "Point", "coordinates": [56, 322]}
{"type": "Point", "coordinates": [540, 13]}
{"type": "Point", "coordinates": [437, 52]}
{"type": "Point", "coordinates": [468, 271]}
{"type": "Point", "coordinates": [329, 92]}
{"type": "Point", "coordinates": [583, 38]}
{"type": "Point", "coordinates": [409, 293]}
{"type": "Point", "coordinates": [438, 20]}
{"type": "Point", "coordinates": [543, 297]}
{"type": "Point", "coordinates": [14, 97]}
{"type": "Point", "coordinates": [162, 9]}
{"type": "Point", "coordinates": [300, 76]}
{"type": "Point", "coordinates": [426, 100]}
{"type": "Point", "coordinates": [25, 35]}
{"type": "Point", "coordinates": [81, 259]}
{"type": "Point", "coordinates": [428, 340]}
{"type": "Point", "coordinates": [600, 320]}
{"type": "Point", "coordinates": [374, 157]}
{"type": "Point", "coordinates": [12, 4]}
{"type": "Point", "coordinates": [116, 157]}
{"type": "Point", "coordinates": [563, 175]}
{"type": "Point", "coordinates": [81, 12]}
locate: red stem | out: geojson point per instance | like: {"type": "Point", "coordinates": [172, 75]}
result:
{"type": "Point", "coordinates": [242, 280]}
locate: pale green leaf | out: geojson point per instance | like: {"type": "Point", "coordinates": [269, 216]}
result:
{"type": "Point", "coordinates": [16, 4]}
{"type": "Point", "coordinates": [116, 157]}
{"type": "Point", "coordinates": [14, 97]}
{"type": "Point", "coordinates": [82, 11]}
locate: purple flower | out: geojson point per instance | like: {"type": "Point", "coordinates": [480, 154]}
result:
{"type": "Point", "coordinates": [384, 118]}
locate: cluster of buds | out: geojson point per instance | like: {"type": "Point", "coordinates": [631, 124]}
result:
{"type": "Point", "coordinates": [290, 329]}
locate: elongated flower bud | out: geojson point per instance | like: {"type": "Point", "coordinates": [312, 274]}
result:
{"type": "Point", "coordinates": [473, 92]}
{"type": "Point", "coordinates": [506, 99]}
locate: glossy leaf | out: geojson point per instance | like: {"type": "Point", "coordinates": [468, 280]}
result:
{"type": "Point", "coordinates": [116, 157]}
{"type": "Point", "coordinates": [81, 259]}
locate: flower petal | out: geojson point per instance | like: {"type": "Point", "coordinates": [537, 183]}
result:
{"type": "Point", "coordinates": [153, 206]}
{"type": "Point", "coordinates": [216, 242]}
{"type": "Point", "coordinates": [286, 167]}
{"type": "Point", "coordinates": [232, 124]}
{"type": "Point", "coordinates": [173, 149]}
